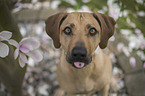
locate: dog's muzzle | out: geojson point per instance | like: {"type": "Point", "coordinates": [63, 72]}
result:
{"type": "Point", "coordinates": [78, 57]}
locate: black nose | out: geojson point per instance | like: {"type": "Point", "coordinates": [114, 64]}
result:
{"type": "Point", "coordinates": [79, 53]}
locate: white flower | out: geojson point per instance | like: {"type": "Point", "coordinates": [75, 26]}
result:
{"type": "Point", "coordinates": [126, 51]}
{"type": "Point", "coordinates": [26, 47]}
{"type": "Point", "coordinates": [114, 10]}
{"type": "Point", "coordinates": [4, 49]}
{"type": "Point", "coordinates": [120, 46]}
{"type": "Point", "coordinates": [42, 89]}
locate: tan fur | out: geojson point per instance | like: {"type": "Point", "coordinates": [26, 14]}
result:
{"type": "Point", "coordinates": [97, 75]}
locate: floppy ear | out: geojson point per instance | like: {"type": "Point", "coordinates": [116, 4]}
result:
{"type": "Point", "coordinates": [107, 24]}
{"type": "Point", "coordinates": [52, 27]}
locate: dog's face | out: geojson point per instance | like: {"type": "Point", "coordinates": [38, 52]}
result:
{"type": "Point", "coordinates": [79, 34]}
{"type": "Point", "coordinates": [79, 38]}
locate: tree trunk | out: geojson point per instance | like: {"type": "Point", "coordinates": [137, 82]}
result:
{"type": "Point", "coordinates": [11, 74]}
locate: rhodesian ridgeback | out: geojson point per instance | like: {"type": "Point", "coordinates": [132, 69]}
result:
{"type": "Point", "coordinates": [81, 71]}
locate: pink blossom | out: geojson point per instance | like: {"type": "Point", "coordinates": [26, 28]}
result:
{"type": "Point", "coordinates": [26, 47]}
{"type": "Point", "coordinates": [137, 31]}
{"type": "Point", "coordinates": [132, 62]}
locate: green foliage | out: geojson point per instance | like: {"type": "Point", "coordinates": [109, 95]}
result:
{"type": "Point", "coordinates": [92, 4]}
{"type": "Point", "coordinates": [121, 22]}
{"type": "Point", "coordinates": [127, 4]}
{"type": "Point", "coordinates": [133, 9]}
{"type": "Point", "coordinates": [96, 4]}
{"type": "Point", "coordinates": [66, 4]}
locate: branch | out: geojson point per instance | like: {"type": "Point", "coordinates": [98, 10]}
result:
{"type": "Point", "coordinates": [7, 21]}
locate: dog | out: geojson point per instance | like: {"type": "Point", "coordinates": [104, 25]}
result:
{"type": "Point", "coordinates": [81, 71]}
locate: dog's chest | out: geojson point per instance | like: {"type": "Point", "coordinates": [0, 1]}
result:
{"type": "Point", "coordinates": [82, 84]}
{"type": "Point", "coordinates": [77, 82]}
{"type": "Point", "coordinates": [79, 85]}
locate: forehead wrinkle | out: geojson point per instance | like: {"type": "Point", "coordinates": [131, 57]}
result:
{"type": "Point", "coordinates": [78, 17]}
{"type": "Point", "coordinates": [81, 20]}
{"type": "Point", "coordinates": [82, 17]}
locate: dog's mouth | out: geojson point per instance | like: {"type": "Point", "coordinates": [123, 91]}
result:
{"type": "Point", "coordinates": [78, 57]}
{"type": "Point", "coordinates": [78, 62]}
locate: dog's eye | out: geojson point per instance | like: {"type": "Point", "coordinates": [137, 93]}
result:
{"type": "Point", "coordinates": [92, 31]}
{"type": "Point", "coordinates": [67, 30]}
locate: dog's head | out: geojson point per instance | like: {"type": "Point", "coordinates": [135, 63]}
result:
{"type": "Point", "coordinates": [79, 34]}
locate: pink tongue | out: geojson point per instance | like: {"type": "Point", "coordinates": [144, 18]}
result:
{"type": "Point", "coordinates": [79, 64]}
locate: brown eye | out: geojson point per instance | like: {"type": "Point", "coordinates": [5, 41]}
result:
{"type": "Point", "coordinates": [93, 31]}
{"type": "Point", "coordinates": [67, 30]}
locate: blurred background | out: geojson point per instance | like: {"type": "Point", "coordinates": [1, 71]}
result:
{"type": "Point", "coordinates": [127, 45]}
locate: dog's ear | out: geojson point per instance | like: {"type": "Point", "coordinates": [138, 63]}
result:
{"type": "Point", "coordinates": [107, 24]}
{"type": "Point", "coordinates": [53, 25]}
